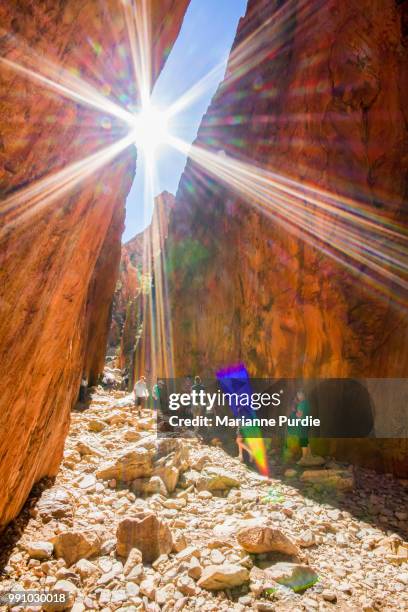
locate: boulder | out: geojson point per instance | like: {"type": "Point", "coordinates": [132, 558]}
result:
{"type": "Point", "coordinates": [107, 577]}
{"type": "Point", "coordinates": [115, 417]}
{"type": "Point", "coordinates": [136, 574]}
{"type": "Point", "coordinates": [198, 458]}
{"type": "Point", "coordinates": [169, 474]}
{"type": "Point", "coordinates": [71, 458]}
{"type": "Point", "coordinates": [134, 558]}
{"type": "Point", "coordinates": [263, 539]}
{"type": "Point", "coordinates": [74, 545]}
{"type": "Point", "coordinates": [227, 529]}
{"type": "Point", "coordinates": [146, 532]}
{"type": "Point", "coordinates": [40, 550]}
{"type": "Point", "coordinates": [70, 591]}
{"type": "Point", "coordinates": [216, 479]}
{"type": "Point", "coordinates": [219, 577]}
{"type": "Point", "coordinates": [186, 585]}
{"type": "Point", "coordinates": [87, 482]}
{"type": "Point", "coordinates": [86, 569]}
{"type": "Point", "coordinates": [195, 570]}
{"type": "Point", "coordinates": [306, 539]}
{"type": "Point", "coordinates": [87, 446]}
{"type": "Point", "coordinates": [294, 575]}
{"type": "Point", "coordinates": [179, 541]}
{"type": "Point", "coordinates": [340, 480]}
{"type": "Point", "coordinates": [128, 466]}
{"type": "Point", "coordinates": [189, 478]}
{"type": "Point", "coordinates": [132, 436]}
{"type": "Point", "coordinates": [57, 503]}
{"type": "Point", "coordinates": [96, 425]}
{"type": "Point", "coordinates": [186, 554]}
{"type": "Point", "coordinates": [165, 446]}
{"type": "Point", "coordinates": [148, 486]}
{"type": "Point", "coordinates": [145, 424]}
{"type": "Point", "coordinates": [148, 587]}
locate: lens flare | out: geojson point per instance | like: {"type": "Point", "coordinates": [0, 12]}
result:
{"type": "Point", "coordinates": [251, 435]}
{"type": "Point", "coordinates": [150, 129]}
{"type": "Point", "coordinates": [364, 241]}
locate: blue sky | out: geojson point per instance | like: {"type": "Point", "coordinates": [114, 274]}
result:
{"type": "Point", "coordinates": [204, 42]}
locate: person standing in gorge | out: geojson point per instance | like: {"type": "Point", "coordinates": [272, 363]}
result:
{"type": "Point", "coordinates": [197, 408]}
{"type": "Point", "coordinates": [187, 388]}
{"type": "Point", "coordinates": [125, 379]}
{"type": "Point", "coordinates": [83, 389]}
{"type": "Point", "coordinates": [197, 387]}
{"type": "Point", "coordinates": [141, 394]}
{"type": "Point", "coordinates": [298, 434]}
{"type": "Point", "coordinates": [244, 452]}
{"type": "Point", "coordinates": [156, 394]}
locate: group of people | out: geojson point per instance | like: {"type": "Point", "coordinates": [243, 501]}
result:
{"type": "Point", "coordinates": [297, 438]}
{"type": "Point", "coordinates": [142, 395]}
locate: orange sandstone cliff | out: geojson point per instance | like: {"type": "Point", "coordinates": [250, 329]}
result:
{"type": "Point", "coordinates": [61, 225]}
{"type": "Point", "coordinates": [265, 273]}
{"type": "Point", "coordinates": [131, 326]}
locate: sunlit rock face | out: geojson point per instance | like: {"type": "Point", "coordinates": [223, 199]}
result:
{"type": "Point", "coordinates": [131, 325]}
{"type": "Point", "coordinates": [59, 256]}
{"type": "Point", "coordinates": [314, 94]}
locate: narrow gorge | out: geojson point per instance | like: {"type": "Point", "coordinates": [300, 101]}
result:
{"type": "Point", "coordinates": [282, 257]}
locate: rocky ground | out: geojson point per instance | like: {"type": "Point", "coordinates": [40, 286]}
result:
{"type": "Point", "coordinates": [133, 522]}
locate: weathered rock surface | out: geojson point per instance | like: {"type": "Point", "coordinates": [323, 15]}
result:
{"type": "Point", "coordinates": [40, 550]}
{"type": "Point", "coordinates": [148, 486]}
{"type": "Point", "coordinates": [128, 465]}
{"type": "Point", "coordinates": [146, 533]}
{"type": "Point", "coordinates": [219, 577]}
{"type": "Point", "coordinates": [216, 479]}
{"type": "Point", "coordinates": [74, 545]}
{"type": "Point", "coordinates": [67, 232]}
{"type": "Point", "coordinates": [86, 569]}
{"type": "Point", "coordinates": [134, 559]}
{"type": "Point", "coordinates": [263, 539]}
{"type": "Point", "coordinates": [249, 250]}
{"type": "Point", "coordinates": [57, 502]}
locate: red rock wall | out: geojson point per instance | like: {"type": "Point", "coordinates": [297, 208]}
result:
{"type": "Point", "coordinates": [314, 92]}
{"type": "Point", "coordinates": [59, 256]}
{"type": "Point", "coordinates": [131, 325]}
{"type": "Point", "coordinates": [99, 301]}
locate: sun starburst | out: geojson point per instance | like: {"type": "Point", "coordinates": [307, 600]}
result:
{"type": "Point", "coordinates": [364, 242]}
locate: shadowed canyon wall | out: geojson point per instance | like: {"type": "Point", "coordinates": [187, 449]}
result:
{"type": "Point", "coordinates": [314, 96]}
{"type": "Point", "coordinates": [132, 326]}
{"type": "Point", "coordinates": [60, 237]}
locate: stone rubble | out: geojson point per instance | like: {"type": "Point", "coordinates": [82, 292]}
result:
{"type": "Point", "coordinates": [137, 523]}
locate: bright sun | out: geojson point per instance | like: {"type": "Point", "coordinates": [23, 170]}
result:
{"type": "Point", "coordinates": [150, 129]}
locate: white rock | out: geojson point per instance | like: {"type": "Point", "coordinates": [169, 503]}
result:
{"type": "Point", "coordinates": [40, 549]}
